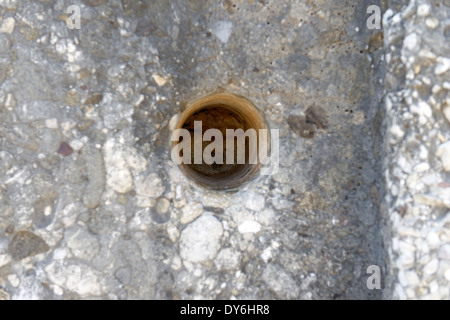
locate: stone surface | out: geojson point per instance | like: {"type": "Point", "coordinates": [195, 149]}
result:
{"type": "Point", "coordinates": [444, 154]}
{"type": "Point", "coordinates": [361, 115]}
{"type": "Point", "coordinates": [8, 25]}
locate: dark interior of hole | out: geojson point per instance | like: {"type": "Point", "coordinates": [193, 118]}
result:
{"type": "Point", "coordinates": [221, 118]}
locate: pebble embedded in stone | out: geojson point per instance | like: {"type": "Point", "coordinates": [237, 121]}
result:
{"type": "Point", "coordinates": [162, 206]}
{"type": "Point", "coordinates": [8, 25]}
{"type": "Point", "coordinates": [190, 212]}
{"type": "Point", "coordinates": [432, 23]}
{"type": "Point", "coordinates": [94, 99]}
{"type": "Point", "coordinates": [25, 244]}
{"type": "Point", "coordinates": [266, 217]}
{"type": "Point", "coordinates": [423, 10]}
{"type": "Point", "coordinates": [118, 175]}
{"type": "Point", "coordinates": [443, 153]}
{"type": "Point", "coordinates": [447, 274]}
{"type": "Point", "coordinates": [412, 279]}
{"type": "Point", "coordinates": [444, 252]}
{"type": "Point", "coordinates": [51, 123]}
{"type": "Point", "coordinates": [431, 267]}
{"type": "Point", "coordinates": [200, 241]}
{"type": "Point", "coordinates": [411, 41]}
{"type": "Point", "coordinates": [14, 280]}
{"type": "Point", "coordinates": [446, 111]}
{"type": "Point", "coordinates": [443, 66]}
{"type": "Point", "coordinates": [255, 202]}
{"type": "Point", "coordinates": [422, 109]}
{"type": "Point", "coordinates": [160, 80]}
{"type": "Point", "coordinates": [422, 167]}
{"type": "Point", "coordinates": [249, 226]}
{"type": "Point", "coordinates": [65, 149]}
{"type": "Point", "coordinates": [222, 29]}
{"type": "Point", "coordinates": [151, 186]}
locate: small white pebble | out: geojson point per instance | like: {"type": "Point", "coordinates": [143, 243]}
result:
{"type": "Point", "coordinates": [198, 272]}
{"type": "Point", "coordinates": [411, 41]}
{"type": "Point", "coordinates": [422, 109]}
{"type": "Point", "coordinates": [76, 145]}
{"type": "Point", "coordinates": [443, 66]}
{"type": "Point", "coordinates": [222, 30]}
{"type": "Point", "coordinates": [14, 280]}
{"type": "Point", "coordinates": [397, 132]}
{"type": "Point", "coordinates": [160, 80]}
{"type": "Point", "coordinates": [249, 226]}
{"type": "Point", "coordinates": [423, 153]}
{"type": "Point", "coordinates": [423, 10]}
{"type": "Point", "coordinates": [412, 278]}
{"type": "Point", "coordinates": [443, 152]}
{"type": "Point", "coordinates": [176, 263]}
{"type": "Point", "coordinates": [433, 240]}
{"type": "Point", "coordinates": [173, 233]}
{"type": "Point", "coordinates": [432, 23]}
{"type": "Point", "coordinates": [447, 274]}
{"type": "Point", "coordinates": [8, 25]}
{"type": "Point", "coordinates": [446, 112]}
{"type": "Point", "coordinates": [444, 252]}
{"type": "Point", "coordinates": [402, 279]}
{"type": "Point", "coordinates": [422, 167]}
{"type": "Point", "coordinates": [51, 123]}
{"type": "Point", "coordinates": [58, 290]}
{"type": "Point", "coordinates": [431, 267]}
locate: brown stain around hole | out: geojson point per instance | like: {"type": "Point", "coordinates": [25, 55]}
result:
{"type": "Point", "coordinates": [221, 111]}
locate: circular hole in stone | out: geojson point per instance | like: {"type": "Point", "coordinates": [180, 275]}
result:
{"type": "Point", "coordinates": [223, 112]}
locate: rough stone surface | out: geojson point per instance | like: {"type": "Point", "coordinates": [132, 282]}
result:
{"type": "Point", "coordinates": [363, 124]}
